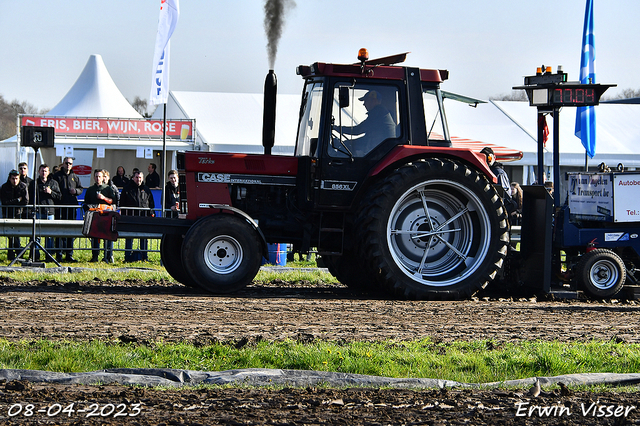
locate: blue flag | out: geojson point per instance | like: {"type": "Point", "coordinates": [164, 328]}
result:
{"type": "Point", "coordinates": [586, 116]}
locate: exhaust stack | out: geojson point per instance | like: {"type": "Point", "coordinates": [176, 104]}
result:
{"type": "Point", "coordinates": [269, 117]}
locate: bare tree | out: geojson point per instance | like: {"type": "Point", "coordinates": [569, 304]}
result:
{"type": "Point", "coordinates": [516, 95]}
{"type": "Point", "coordinates": [9, 115]}
{"type": "Point", "coordinates": [625, 94]}
{"type": "Point", "coordinates": [140, 105]}
{"type": "Point", "coordinates": [7, 119]}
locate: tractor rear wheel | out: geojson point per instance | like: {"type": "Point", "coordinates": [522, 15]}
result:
{"type": "Point", "coordinates": [222, 253]}
{"type": "Point", "coordinates": [601, 273]}
{"type": "Point", "coordinates": [350, 271]}
{"type": "Point", "coordinates": [433, 229]}
{"type": "Point", "coordinates": [171, 257]}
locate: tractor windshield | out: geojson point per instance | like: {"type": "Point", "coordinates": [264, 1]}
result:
{"type": "Point", "coordinates": [434, 114]}
{"type": "Point", "coordinates": [309, 127]}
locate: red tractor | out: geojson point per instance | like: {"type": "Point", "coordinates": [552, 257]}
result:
{"type": "Point", "coordinates": [375, 185]}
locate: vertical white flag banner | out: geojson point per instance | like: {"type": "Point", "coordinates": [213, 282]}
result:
{"type": "Point", "coordinates": [169, 13]}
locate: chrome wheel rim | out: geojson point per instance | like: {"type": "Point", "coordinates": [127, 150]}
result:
{"type": "Point", "coordinates": [223, 254]}
{"type": "Point", "coordinates": [604, 274]}
{"type": "Point", "coordinates": [438, 233]}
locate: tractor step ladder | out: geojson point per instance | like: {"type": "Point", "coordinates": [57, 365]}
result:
{"type": "Point", "coordinates": [331, 228]}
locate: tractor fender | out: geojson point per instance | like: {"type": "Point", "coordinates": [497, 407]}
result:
{"type": "Point", "coordinates": [253, 223]}
{"type": "Point", "coordinates": [404, 153]}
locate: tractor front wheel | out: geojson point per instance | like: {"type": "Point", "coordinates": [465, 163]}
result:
{"type": "Point", "coordinates": [222, 253]}
{"type": "Point", "coordinates": [171, 257]}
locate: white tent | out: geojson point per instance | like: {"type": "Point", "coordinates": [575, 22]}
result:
{"type": "Point", "coordinates": [617, 133]}
{"type": "Point", "coordinates": [514, 124]}
{"type": "Point", "coordinates": [93, 95]}
{"type": "Point", "coordinates": [11, 153]}
{"type": "Point", "coordinates": [232, 122]}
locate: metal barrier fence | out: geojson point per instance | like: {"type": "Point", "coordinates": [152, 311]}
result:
{"type": "Point", "coordinates": [58, 229]}
{"type": "Point", "coordinates": [83, 243]}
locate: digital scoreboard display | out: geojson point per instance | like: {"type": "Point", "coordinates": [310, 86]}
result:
{"type": "Point", "coordinates": [574, 96]}
{"type": "Point", "coordinates": [553, 90]}
{"type": "Point", "coordinates": [559, 95]}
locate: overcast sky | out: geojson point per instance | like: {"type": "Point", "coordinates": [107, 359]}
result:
{"type": "Point", "coordinates": [220, 45]}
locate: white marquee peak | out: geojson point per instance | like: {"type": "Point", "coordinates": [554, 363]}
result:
{"type": "Point", "coordinates": [94, 94]}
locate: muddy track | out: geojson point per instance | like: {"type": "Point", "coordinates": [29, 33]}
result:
{"type": "Point", "coordinates": [135, 311]}
{"type": "Point", "coordinates": [138, 311]}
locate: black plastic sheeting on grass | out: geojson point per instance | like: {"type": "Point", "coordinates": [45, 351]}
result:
{"type": "Point", "coordinates": [292, 378]}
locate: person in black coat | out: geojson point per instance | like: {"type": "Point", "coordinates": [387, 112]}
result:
{"type": "Point", "coordinates": [70, 188]}
{"type": "Point", "coordinates": [136, 194]}
{"type": "Point", "coordinates": [23, 169]}
{"type": "Point", "coordinates": [46, 192]}
{"type": "Point", "coordinates": [13, 194]}
{"type": "Point", "coordinates": [172, 195]}
{"type": "Point", "coordinates": [153, 178]}
{"type": "Point", "coordinates": [120, 179]}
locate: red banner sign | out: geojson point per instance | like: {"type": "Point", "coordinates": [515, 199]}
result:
{"type": "Point", "coordinates": [82, 169]}
{"type": "Point", "coordinates": [118, 128]}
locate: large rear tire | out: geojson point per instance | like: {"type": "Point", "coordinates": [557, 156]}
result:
{"type": "Point", "coordinates": [171, 256]}
{"type": "Point", "coordinates": [222, 253]}
{"type": "Point", "coordinates": [434, 229]}
{"type": "Point", "coordinates": [601, 273]}
{"type": "Point", "coordinates": [350, 271]}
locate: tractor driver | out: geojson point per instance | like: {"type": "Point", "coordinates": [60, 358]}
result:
{"type": "Point", "coordinates": [377, 127]}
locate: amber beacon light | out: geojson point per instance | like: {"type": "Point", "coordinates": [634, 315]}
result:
{"type": "Point", "coordinates": [363, 55]}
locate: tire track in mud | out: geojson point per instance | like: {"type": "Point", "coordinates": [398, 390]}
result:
{"type": "Point", "coordinates": [142, 312]}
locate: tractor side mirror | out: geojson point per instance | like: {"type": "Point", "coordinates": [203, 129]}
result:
{"type": "Point", "coordinates": [343, 97]}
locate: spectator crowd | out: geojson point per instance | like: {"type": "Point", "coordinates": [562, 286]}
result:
{"type": "Point", "coordinates": [55, 192]}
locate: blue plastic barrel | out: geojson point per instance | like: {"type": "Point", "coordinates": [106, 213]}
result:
{"type": "Point", "coordinates": [277, 254]}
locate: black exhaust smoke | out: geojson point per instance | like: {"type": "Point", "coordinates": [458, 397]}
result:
{"type": "Point", "coordinates": [274, 12]}
{"type": "Point", "coordinates": [269, 115]}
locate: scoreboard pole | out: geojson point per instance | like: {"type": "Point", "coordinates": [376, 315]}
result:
{"type": "Point", "coordinates": [556, 156]}
{"type": "Point", "coordinates": [540, 171]}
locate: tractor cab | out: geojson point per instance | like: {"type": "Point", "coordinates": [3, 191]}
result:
{"type": "Point", "coordinates": [352, 116]}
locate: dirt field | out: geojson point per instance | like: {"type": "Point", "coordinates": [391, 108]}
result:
{"type": "Point", "coordinates": [139, 312]}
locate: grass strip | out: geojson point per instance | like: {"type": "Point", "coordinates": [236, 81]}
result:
{"type": "Point", "coordinates": [471, 362]}
{"type": "Point", "coordinates": [306, 277]}
{"type": "Point", "coordinates": [149, 271]}
{"type": "Point", "coordinates": [144, 273]}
